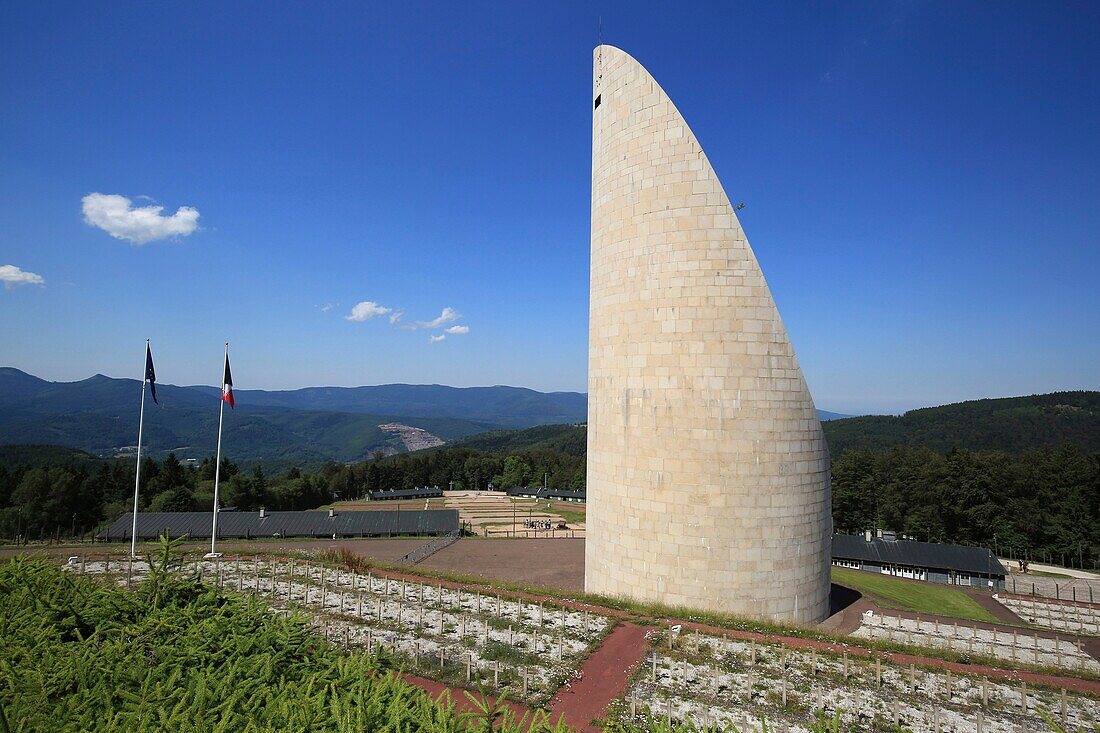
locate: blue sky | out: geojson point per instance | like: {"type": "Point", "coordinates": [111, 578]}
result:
{"type": "Point", "coordinates": [921, 180]}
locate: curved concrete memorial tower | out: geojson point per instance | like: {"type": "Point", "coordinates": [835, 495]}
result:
{"type": "Point", "coordinates": [708, 473]}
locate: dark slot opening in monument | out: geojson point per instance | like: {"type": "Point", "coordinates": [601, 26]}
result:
{"type": "Point", "coordinates": [597, 102]}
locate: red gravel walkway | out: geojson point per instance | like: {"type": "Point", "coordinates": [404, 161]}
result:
{"type": "Point", "coordinates": [602, 678]}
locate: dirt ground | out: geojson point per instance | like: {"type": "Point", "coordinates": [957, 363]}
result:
{"type": "Point", "coordinates": [543, 562]}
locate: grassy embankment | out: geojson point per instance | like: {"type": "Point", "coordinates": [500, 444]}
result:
{"type": "Point", "coordinates": [939, 600]}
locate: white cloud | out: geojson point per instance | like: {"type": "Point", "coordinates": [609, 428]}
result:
{"type": "Point", "coordinates": [13, 277]}
{"type": "Point", "coordinates": [326, 307]}
{"type": "Point", "coordinates": [457, 329]}
{"type": "Point", "coordinates": [446, 316]}
{"type": "Point", "coordinates": [436, 339]}
{"type": "Point", "coordinates": [117, 216]}
{"type": "Point", "coordinates": [366, 310]}
{"type": "Point", "coordinates": [396, 316]}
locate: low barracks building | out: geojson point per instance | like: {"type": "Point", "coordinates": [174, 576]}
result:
{"type": "Point", "coordinates": [976, 567]}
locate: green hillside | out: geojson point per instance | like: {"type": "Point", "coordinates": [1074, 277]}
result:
{"type": "Point", "coordinates": [34, 456]}
{"type": "Point", "coordinates": [99, 415]}
{"type": "Point", "coordinates": [1007, 424]}
{"type": "Point", "coordinates": [568, 439]}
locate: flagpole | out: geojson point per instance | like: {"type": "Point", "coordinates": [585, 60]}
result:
{"type": "Point", "coordinates": [218, 460]}
{"type": "Point", "coordinates": [137, 473]}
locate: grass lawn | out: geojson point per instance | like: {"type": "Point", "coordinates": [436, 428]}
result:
{"type": "Point", "coordinates": [918, 597]}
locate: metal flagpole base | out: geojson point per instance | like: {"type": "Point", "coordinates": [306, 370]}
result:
{"type": "Point", "coordinates": [212, 555]}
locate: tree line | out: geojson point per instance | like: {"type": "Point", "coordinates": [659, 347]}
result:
{"type": "Point", "coordinates": [1041, 503]}
{"type": "Point", "coordinates": [41, 499]}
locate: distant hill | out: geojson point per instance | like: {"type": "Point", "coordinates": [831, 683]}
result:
{"type": "Point", "coordinates": [505, 407]}
{"type": "Point", "coordinates": [568, 439]}
{"type": "Point", "coordinates": [44, 455]}
{"type": "Point", "coordinates": [99, 415]}
{"type": "Point", "coordinates": [825, 415]}
{"type": "Point", "coordinates": [1009, 424]}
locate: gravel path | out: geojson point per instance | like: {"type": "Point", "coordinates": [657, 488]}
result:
{"type": "Point", "coordinates": [602, 678]}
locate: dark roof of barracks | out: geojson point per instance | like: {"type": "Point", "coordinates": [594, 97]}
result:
{"type": "Point", "coordinates": [917, 554]}
{"type": "Point", "coordinates": [286, 524]}
{"type": "Point", "coordinates": [424, 492]}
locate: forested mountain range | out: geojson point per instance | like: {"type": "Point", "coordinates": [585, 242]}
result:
{"type": "Point", "coordinates": [308, 426]}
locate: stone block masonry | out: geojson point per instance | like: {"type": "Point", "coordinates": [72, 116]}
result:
{"type": "Point", "coordinates": [708, 473]}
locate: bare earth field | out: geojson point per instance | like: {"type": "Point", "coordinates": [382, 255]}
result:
{"type": "Point", "coordinates": [547, 563]}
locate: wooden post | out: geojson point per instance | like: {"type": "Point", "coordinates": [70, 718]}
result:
{"type": "Point", "coordinates": [912, 676]}
{"type": "Point", "coordinates": [586, 620]}
{"type": "Point", "coordinates": [359, 613]}
{"type": "Point", "coordinates": [784, 691]}
{"type": "Point", "coordinates": [981, 722]}
{"type": "Point", "coordinates": [1065, 711]}
{"type": "Point", "coordinates": [496, 674]}
{"type": "Point", "coordinates": [845, 665]}
{"type": "Point", "coordinates": [878, 672]}
{"type": "Point", "coordinates": [949, 685]}
{"type": "Point", "coordinates": [1023, 697]}
{"type": "Point", "coordinates": [896, 711]}
{"type": "Point", "coordinates": [469, 667]}
{"type": "Point", "coordinates": [441, 623]}
{"type": "Point", "coordinates": [559, 647]}
{"type": "Point", "coordinates": [634, 706]}
{"type": "Point", "coordinates": [813, 663]}
{"type": "Point", "coordinates": [714, 674]}
{"type": "Point", "coordinates": [654, 666]}
{"type": "Point", "coordinates": [752, 653]}
{"type": "Point", "coordinates": [441, 658]}
{"type": "Point", "coordinates": [510, 641]}
{"type": "Point", "coordinates": [985, 691]}
{"type": "Point", "coordinates": [524, 673]}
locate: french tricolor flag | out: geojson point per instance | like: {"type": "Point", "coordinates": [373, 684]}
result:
{"type": "Point", "coordinates": [227, 383]}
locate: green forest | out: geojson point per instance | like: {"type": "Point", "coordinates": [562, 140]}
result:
{"type": "Point", "coordinates": [1042, 503]}
{"type": "Point", "coordinates": [57, 493]}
